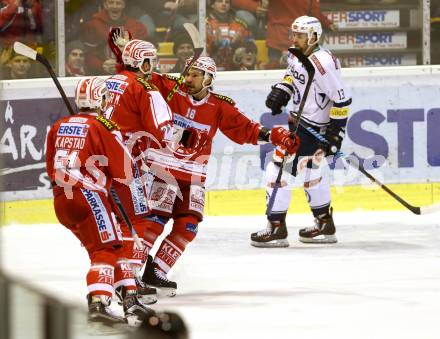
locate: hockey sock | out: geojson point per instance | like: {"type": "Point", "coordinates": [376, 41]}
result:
{"type": "Point", "coordinates": [124, 275]}
{"type": "Point", "coordinates": [172, 247]}
{"type": "Point", "coordinates": [100, 277]}
{"type": "Point", "coordinates": [318, 195]}
{"type": "Point", "coordinates": [284, 193]}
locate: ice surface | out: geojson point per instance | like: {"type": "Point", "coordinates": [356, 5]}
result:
{"type": "Point", "coordinates": [382, 280]}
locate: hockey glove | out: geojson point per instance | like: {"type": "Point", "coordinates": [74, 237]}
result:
{"type": "Point", "coordinates": [192, 142]}
{"type": "Point", "coordinates": [279, 97]}
{"type": "Point", "coordinates": [279, 153]}
{"type": "Point", "coordinates": [279, 136]}
{"type": "Point", "coordinates": [334, 135]}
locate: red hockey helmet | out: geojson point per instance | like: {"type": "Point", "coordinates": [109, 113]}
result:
{"type": "Point", "coordinates": [91, 93]}
{"type": "Point", "coordinates": [136, 51]}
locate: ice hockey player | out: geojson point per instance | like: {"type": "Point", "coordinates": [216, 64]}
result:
{"type": "Point", "coordinates": [198, 114]}
{"type": "Point", "coordinates": [326, 112]}
{"type": "Point", "coordinates": [145, 120]}
{"type": "Point", "coordinates": [85, 154]}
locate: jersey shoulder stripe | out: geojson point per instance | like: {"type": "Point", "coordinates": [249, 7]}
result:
{"type": "Point", "coordinates": [171, 77]}
{"type": "Point", "coordinates": [148, 86]}
{"type": "Point", "coordinates": [108, 124]}
{"type": "Point", "coordinates": [317, 64]}
{"type": "Point", "coordinates": [224, 98]}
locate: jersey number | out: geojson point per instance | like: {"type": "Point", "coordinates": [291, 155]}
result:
{"type": "Point", "coordinates": [65, 159]}
{"type": "Point", "coordinates": [191, 113]}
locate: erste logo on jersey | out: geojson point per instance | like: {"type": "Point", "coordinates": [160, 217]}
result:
{"type": "Point", "coordinates": [71, 129]}
{"type": "Point", "coordinates": [116, 86]}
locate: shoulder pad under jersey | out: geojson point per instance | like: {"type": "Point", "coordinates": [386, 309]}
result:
{"type": "Point", "coordinates": [172, 77]}
{"type": "Point", "coordinates": [110, 125]}
{"type": "Point", "coordinates": [146, 84]}
{"type": "Point", "coordinates": [225, 98]}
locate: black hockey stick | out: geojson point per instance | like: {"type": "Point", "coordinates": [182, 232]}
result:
{"type": "Point", "coordinates": [34, 55]}
{"type": "Point", "coordinates": [294, 128]}
{"type": "Point", "coordinates": [198, 50]}
{"type": "Point", "coordinates": [416, 210]}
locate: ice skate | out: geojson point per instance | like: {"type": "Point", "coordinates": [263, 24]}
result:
{"type": "Point", "coordinates": [323, 232]}
{"type": "Point", "coordinates": [275, 235]}
{"type": "Point", "coordinates": [99, 311]}
{"type": "Point", "coordinates": [155, 277]}
{"type": "Point", "coordinates": [134, 311]}
{"type": "Point", "coordinates": [146, 294]}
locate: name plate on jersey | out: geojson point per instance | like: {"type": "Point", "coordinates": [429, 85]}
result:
{"type": "Point", "coordinates": [365, 19]}
{"type": "Point", "coordinates": [365, 40]}
{"type": "Point", "coordinates": [378, 60]}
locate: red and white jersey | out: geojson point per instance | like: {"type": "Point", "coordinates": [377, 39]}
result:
{"type": "Point", "coordinates": [327, 88]}
{"type": "Point", "coordinates": [87, 151]}
{"type": "Point", "coordinates": [212, 113]}
{"type": "Point", "coordinates": [137, 106]}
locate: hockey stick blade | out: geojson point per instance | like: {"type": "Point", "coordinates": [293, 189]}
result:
{"type": "Point", "coordinates": [22, 49]}
{"type": "Point", "coordinates": [416, 210]}
{"type": "Point", "coordinates": [194, 34]}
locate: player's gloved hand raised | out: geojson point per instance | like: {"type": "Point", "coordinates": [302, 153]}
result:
{"type": "Point", "coordinates": [279, 136]}
{"type": "Point", "coordinates": [279, 97]}
{"type": "Point", "coordinates": [334, 136]}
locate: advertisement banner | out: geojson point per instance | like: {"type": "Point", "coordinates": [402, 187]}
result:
{"type": "Point", "coordinates": [365, 19]}
{"type": "Point", "coordinates": [378, 60]}
{"type": "Point", "coordinates": [393, 125]}
{"type": "Point", "coordinates": [365, 40]}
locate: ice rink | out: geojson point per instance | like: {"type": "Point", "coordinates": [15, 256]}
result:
{"type": "Point", "coordinates": [382, 280]}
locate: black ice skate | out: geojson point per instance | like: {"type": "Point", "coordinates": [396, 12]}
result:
{"type": "Point", "coordinates": [154, 276]}
{"type": "Point", "coordinates": [146, 294]}
{"type": "Point", "coordinates": [99, 311]}
{"type": "Point", "coordinates": [134, 311]}
{"type": "Point", "coordinates": [323, 232]}
{"type": "Point", "coordinates": [275, 235]}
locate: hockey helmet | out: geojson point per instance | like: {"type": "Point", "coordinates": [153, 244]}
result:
{"type": "Point", "coordinates": [309, 25]}
{"type": "Point", "coordinates": [90, 93]}
{"type": "Point", "coordinates": [136, 51]}
{"type": "Point", "coordinates": [205, 64]}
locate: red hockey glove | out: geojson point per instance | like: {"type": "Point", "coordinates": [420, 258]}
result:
{"type": "Point", "coordinates": [279, 136]}
{"type": "Point", "coordinates": [192, 142]}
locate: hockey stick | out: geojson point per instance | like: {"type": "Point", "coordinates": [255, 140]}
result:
{"type": "Point", "coordinates": [34, 55]}
{"type": "Point", "coordinates": [198, 50]}
{"type": "Point", "coordinates": [311, 73]}
{"type": "Point", "coordinates": [416, 210]}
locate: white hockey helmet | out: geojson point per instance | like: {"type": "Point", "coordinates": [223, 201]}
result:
{"type": "Point", "coordinates": [205, 64]}
{"type": "Point", "coordinates": [136, 51]}
{"type": "Point", "coordinates": [91, 93]}
{"type": "Point", "coordinates": [309, 25]}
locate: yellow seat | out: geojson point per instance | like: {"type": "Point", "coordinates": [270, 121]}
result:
{"type": "Point", "coordinates": [165, 48]}
{"type": "Point", "coordinates": [262, 51]}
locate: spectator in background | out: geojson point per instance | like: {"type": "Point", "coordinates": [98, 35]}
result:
{"type": "Point", "coordinates": [77, 13]}
{"type": "Point", "coordinates": [245, 57]}
{"type": "Point", "coordinates": [173, 14]}
{"type": "Point", "coordinates": [224, 32]}
{"type": "Point", "coordinates": [17, 67]}
{"type": "Point", "coordinates": [281, 14]}
{"type": "Point", "coordinates": [182, 49]}
{"type": "Point", "coordinates": [254, 14]}
{"type": "Point", "coordinates": [75, 59]}
{"type": "Point", "coordinates": [99, 58]}
{"type": "Point", "coordinates": [20, 20]}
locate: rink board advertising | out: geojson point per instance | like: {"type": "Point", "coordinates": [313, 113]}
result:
{"type": "Point", "coordinates": [365, 19]}
{"type": "Point", "coordinates": [393, 126]}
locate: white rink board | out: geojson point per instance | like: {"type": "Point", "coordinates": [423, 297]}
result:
{"type": "Point", "coordinates": [378, 93]}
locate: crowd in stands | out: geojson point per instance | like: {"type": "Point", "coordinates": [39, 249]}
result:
{"type": "Point", "coordinates": [232, 28]}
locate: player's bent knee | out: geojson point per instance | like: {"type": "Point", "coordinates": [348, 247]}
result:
{"type": "Point", "coordinates": [186, 226]}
